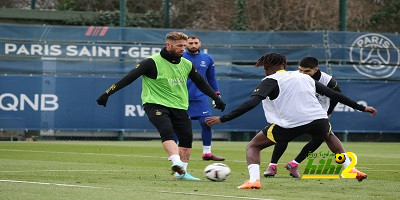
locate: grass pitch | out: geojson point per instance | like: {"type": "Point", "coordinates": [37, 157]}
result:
{"type": "Point", "coordinates": [140, 170]}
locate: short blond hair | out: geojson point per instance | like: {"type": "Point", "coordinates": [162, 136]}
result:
{"type": "Point", "coordinates": [176, 36]}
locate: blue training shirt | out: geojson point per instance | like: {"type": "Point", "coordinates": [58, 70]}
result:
{"type": "Point", "coordinates": [205, 66]}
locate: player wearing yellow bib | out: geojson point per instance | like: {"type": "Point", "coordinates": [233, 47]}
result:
{"type": "Point", "coordinates": [165, 98]}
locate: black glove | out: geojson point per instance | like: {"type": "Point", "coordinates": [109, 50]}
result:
{"type": "Point", "coordinates": [219, 104]}
{"type": "Point", "coordinates": [102, 100]}
{"type": "Point", "coordinates": [213, 102]}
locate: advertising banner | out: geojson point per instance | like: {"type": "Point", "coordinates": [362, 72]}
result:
{"type": "Point", "coordinates": [68, 103]}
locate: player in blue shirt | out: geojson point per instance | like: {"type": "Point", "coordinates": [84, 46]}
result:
{"type": "Point", "coordinates": [199, 107]}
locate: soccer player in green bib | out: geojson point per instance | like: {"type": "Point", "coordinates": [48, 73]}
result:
{"type": "Point", "coordinates": [165, 98]}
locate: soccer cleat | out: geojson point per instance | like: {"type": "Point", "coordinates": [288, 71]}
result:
{"type": "Point", "coordinates": [271, 171]}
{"type": "Point", "coordinates": [178, 168]}
{"type": "Point", "coordinates": [293, 169]}
{"type": "Point", "coordinates": [360, 175]}
{"type": "Point", "coordinates": [186, 176]}
{"type": "Point", "coordinates": [250, 185]}
{"type": "Point", "coordinates": [210, 156]}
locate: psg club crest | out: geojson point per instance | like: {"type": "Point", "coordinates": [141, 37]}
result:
{"type": "Point", "coordinates": [374, 55]}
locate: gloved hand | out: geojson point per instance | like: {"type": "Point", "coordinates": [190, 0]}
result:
{"type": "Point", "coordinates": [219, 104]}
{"type": "Point", "coordinates": [213, 102]}
{"type": "Point", "coordinates": [102, 100]}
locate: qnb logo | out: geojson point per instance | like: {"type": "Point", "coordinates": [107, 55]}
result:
{"type": "Point", "coordinates": [96, 31]}
{"type": "Point", "coordinates": [42, 102]}
{"type": "Point", "coordinates": [376, 56]}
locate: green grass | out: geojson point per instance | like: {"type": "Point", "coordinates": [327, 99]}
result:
{"type": "Point", "coordinates": [140, 170]}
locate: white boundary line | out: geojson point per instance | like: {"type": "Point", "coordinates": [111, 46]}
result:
{"type": "Point", "coordinates": [383, 170]}
{"type": "Point", "coordinates": [79, 153]}
{"type": "Point", "coordinates": [64, 170]}
{"type": "Point", "coordinates": [212, 195]}
{"type": "Point", "coordinates": [94, 187]}
{"type": "Point", "coordinates": [140, 156]}
{"type": "Point", "coordinates": [56, 184]}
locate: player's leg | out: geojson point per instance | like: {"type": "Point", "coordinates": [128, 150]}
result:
{"type": "Point", "coordinates": [182, 125]}
{"type": "Point", "coordinates": [279, 149]}
{"type": "Point", "coordinates": [159, 117]}
{"type": "Point", "coordinates": [318, 130]}
{"type": "Point", "coordinates": [206, 137]}
{"type": "Point", "coordinates": [259, 142]}
{"type": "Point", "coordinates": [335, 145]}
{"type": "Point", "coordinates": [311, 146]}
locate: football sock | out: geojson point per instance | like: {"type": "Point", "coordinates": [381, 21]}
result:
{"type": "Point", "coordinates": [206, 133]}
{"type": "Point", "coordinates": [347, 161]}
{"type": "Point", "coordinates": [175, 158]}
{"type": "Point", "coordinates": [272, 164]}
{"type": "Point", "coordinates": [206, 149]}
{"type": "Point", "coordinates": [254, 171]}
{"type": "Point", "coordinates": [185, 164]}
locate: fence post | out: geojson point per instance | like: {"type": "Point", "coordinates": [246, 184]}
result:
{"type": "Point", "coordinates": [166, 13]}
{"type": "Point", "coordinates": [342, 11]}
{"type": "Point", "coordinates": [122, 13]}
{"type": "Point", "coordinates": [33, 4]}
{"type": "Point", "coordinates": [121, 135]}
{"type": "Point", "coordinates": [345, 139]}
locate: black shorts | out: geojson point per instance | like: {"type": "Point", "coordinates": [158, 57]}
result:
{"type": "Point", "coordinates": [169, 121]}
{"type": "Point", "coordinates": [318, 129]}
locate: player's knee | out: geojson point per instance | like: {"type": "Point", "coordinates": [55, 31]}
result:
{"type": "Point", "coordinates": [166, 135]}
{"type": "Point", "coordinates": [251, 145]}
{"type": "Point", "coordinates": [186, 140]}
{"type": "Point", "coordinates": [203, 124]}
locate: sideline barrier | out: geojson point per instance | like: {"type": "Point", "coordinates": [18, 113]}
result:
{"type": "Point", "coordinates": [49, 75]}
{"type": "Point", "coordinates": [68, 103]}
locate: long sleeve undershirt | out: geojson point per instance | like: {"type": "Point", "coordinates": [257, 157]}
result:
{"type": "Point", "coordinates": [269, 88]}
{"type": "Point", "coordinates": [148, 68]}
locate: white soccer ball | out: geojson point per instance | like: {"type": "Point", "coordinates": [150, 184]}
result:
{"type": "Point", "coordinates": [217, 172]}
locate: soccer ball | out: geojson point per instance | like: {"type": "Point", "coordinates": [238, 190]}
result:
{"type": "Point", "coordinates": [340, 158]}
{"type": "Point", "coordinates": [217, 172]}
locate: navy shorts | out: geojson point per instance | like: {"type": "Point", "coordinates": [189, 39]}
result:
{"type": "Point", "coordinates": [199, 108]}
